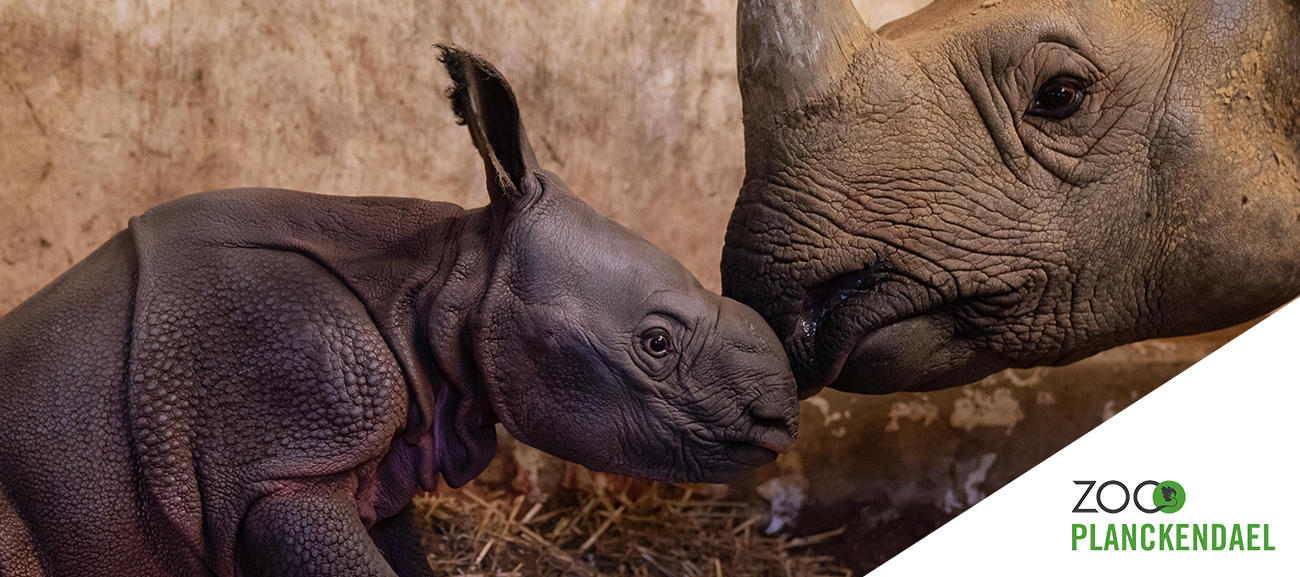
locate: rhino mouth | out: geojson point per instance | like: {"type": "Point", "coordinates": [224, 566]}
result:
{"type": "Point", "coordinates": [750, 454]}
{"type": "Point", "coordinates": [769, 441]}
{"type": "Point", "coordinates": [734, 457]}
{"type": "Point", "coordinates": [838, 315]}
{"type": "Point", "coordinates": [822, 300]}
{"type": "Point", "coordinates": [877, 330]}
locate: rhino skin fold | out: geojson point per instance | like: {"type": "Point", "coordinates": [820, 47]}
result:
{"type": "Point", "coordinates": [984, 185]}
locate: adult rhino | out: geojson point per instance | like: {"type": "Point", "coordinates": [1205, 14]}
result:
{"type": "Point", "coordinates": [984, 185]}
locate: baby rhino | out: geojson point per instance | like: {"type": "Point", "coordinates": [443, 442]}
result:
{"type": "Point", "coordinates": [256, 382]}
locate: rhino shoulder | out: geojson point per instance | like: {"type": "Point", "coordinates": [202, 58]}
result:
{"type": "Point", "coordinates": [250, 364]}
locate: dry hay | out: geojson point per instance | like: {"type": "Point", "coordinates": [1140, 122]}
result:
{"type": "Point", "coordinates": [666, 531]}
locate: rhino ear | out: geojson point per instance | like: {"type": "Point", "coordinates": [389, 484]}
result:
{"type": "Point", "coordinates": [483, 101]}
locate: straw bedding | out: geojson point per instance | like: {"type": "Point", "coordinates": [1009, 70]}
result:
{"type": "Point", "coordinates": [651, 530]}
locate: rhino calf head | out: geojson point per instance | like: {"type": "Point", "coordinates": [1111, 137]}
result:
{"type": "Point", "coordinates": [990, 185]}
{"type": "Point", "coordinates": [596, 346]}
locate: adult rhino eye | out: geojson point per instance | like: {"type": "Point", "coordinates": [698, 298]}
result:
{"type": "Point", "coordinates": [1058, 98]}
{"type": "Point", "coordinates": [656, 342]}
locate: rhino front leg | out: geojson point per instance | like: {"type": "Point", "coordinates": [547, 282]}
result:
{"type": "Point", "coordinates": [309, 529]}
{"type": "Point", "coordinates": [399, 540]}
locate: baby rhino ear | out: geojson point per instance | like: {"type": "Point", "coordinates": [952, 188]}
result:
{"type": "Point", "coordinates": [483, 101]}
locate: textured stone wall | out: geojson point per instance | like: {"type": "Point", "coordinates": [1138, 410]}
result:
{"type": "Point", "coordinates": [108, 108]}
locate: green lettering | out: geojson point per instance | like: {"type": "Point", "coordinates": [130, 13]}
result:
{"type": "Point", "coordinates": [1092, 537]}
{"type": "Point", "coordinates": [1165, 537]}
{"type": "Point", "coordinates": [1147, 544]}
{"type": "Point", "coordinates": [1251, 536]}
{"type": "Point", "coordinates": [1218, 537]}
{"type": "Point", "coordinates": [1129, 540]}
{"type": "Point", "coordinates": [1111, 539]}
{"type": "Point", "coordinates": [1077, 531]}
{"type": "Point", "coordinates": [1267, 547]}
{"type": "Point", "coordinates": [1199, 535]}
{"type": "Point", "coordinates": [1236, 539]}
{"type": "Point", "coordinates": [1182, 536]}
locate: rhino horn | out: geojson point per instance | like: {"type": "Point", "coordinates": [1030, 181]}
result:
{"type": "Point", "coordinates": [789, 51]}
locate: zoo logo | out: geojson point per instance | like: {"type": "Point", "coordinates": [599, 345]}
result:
{"type": "Point", "coordinates": [1166, 497]}
{"type": "Point", "coordinates": [1169, 499]}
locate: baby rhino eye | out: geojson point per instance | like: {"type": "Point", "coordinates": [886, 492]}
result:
{"type": "Point", "coordinates": [656, 342]}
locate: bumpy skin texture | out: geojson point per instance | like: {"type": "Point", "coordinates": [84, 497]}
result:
{"type": "Point", "coordinates": [916, 215]}
{"type": "Point", "coordinates": [256, 382]}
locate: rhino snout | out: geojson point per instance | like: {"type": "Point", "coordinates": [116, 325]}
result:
{"type": "Point", "coordinates": [758, 361]}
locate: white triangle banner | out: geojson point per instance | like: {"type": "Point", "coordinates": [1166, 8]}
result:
{"type": "Point", "coordinates": [1212, 454]}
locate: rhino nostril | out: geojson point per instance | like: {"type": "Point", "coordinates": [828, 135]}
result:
{"type": "Point", "coordinates": [769, 413]}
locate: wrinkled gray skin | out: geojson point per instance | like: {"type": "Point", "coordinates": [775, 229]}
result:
{"type": "Point", "coordinates": [256, 382]}
{"type": "Point", "coordinates": [920, 211]}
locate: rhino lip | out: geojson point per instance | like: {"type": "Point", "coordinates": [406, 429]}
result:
{"type": "Point", "coordinates": [779, 449]}
{"type": "Point", "coordinates": [749, 453]}
{"type": "Point", "coordinates": [818, 364]}
{"type": "Point", "coordinates": [825, 339]}
{"type": "Point", "coordinates": [823, 299]}
{"type": "Point", "coordinates": [771, 440]}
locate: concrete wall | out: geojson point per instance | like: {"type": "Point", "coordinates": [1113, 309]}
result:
{"type": "Point", "coordinates": [108, 108]}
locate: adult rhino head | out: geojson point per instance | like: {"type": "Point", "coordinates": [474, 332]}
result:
{"type": "Point", "coordinates": [990, 185]}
